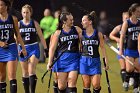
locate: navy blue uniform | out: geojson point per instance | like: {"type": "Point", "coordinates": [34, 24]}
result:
{"type": "Point", "coordinates": [132, 39]}
{"type": "Point", "coordinates": [68, 42]}
{"type": "Point", "coordinates": [90, 63]}
{"type": "Point", "coordinates": [29, 36]}
{"type": "Point", "coordinates": [7, 32]}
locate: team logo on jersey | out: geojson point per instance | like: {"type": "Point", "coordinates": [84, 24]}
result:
{"type": "Point", "coordinates": [90, 42]}
{"type": "Point", "coordinates": [27, 30]}
{"type": "Point", "coordinates": [131, 29]}
{"type": "Point", "coordinates": [67, 38]}
{"type": "Point", "coordinates": [5, 26]}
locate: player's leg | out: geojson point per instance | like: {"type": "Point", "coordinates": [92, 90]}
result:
{"type": "Point", "coordinates": [33, 61]}
{"type": "Point", "coordinates": [12, 68]}
{"type": "Point", "coordinates": [55, 83]}
{"type": "Point", "coordinates": [136, 77]}
{"type": "Point", "coordinates": [72, 80]}
{"type": "Point", "coordinates": [25, 76]}
{"type": "Point", "coordinates": [86, 83]}
{"type": "Point", "coordinates": [62, 81]}
{"type": "Point", "coordinates": [2, 77]}
{"type": "Point", "coordinates": [129, 72]}
{"type": "Point", "coordinates": [96, 83]}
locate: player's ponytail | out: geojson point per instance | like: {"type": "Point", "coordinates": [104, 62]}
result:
{"type": "Point", "coordinates": [62, 18]}
{"type": "Point", "coordinates": [92, 16]}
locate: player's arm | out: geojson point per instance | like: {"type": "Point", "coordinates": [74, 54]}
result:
{"type": "Point", "coordinates": [79, 30]}
{"type": "Point", "coordinates": [52, 49]}
{"type": "Point", "coordinates": [123, 32]}
{"type": "Point", "coordinates": [39, 32]}
{"type": "Point", "coordinates": [18, 36]}
{"type": "Point", "coordinates": [114, 32]}
{"type": "Point", "coordinates": [102, 46]}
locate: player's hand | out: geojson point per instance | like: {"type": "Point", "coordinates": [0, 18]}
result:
{"type": "Point", "coordinates": [23, 52]}
{"type": "Point", "coordinates": [106, 67]}
{"type": "Point", "coordinates": [49, 66]}
{"type": "Point", "coordinates": [3, 44]}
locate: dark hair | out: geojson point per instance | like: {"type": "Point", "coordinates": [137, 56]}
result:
{"type": "Point", "coordinates": [62, 18]}
{"type": "Point", "coordinates": [92, 17]}
{"type": "Point", "coordinates": [7, 3]}
{"type": "Point", "coordinates": [132, 8]}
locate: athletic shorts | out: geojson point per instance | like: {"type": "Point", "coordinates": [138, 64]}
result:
{"type": "Point", "coordinates": [31, 50]}
{"type": "Point", "coordinates": [89, 66]}
{"type": "Point", "coordinates": [9, 54]}
{"type": "Point", "coordinates": [54, 69]}
{"type": "Point", "coordinates": [67, 62]}
{"type": "Point", "coordinates": [131, 53]}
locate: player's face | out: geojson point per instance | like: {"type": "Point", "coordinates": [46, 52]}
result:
{"type": "Point", "coordinates": [26, 13]}
{"type": "Point", "coordinates": [3, 7]}
{"type": "Point", "coordinates": [69, 21]}
{"type": "Point", "coordinates": [85, 22]}
{"type": "Point", "coordinates": [137, 12]}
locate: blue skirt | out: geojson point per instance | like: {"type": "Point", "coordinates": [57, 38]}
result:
{"type": "Point", "coordinates": [9, 54]}
{"type": "Point", "coordinates": [90, 66]}
{"type": "Point", "coordinates": [67, 62]}
{"type": "Point", "coordinates": [131, 53]}
{"type": "Point", "coordinates": [31, 50]}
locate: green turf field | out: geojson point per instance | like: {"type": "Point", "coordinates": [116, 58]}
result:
{"type": "Point", "coordinates": [114, 77]}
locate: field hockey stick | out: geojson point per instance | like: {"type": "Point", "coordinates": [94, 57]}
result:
{"type": "Point", "coordinates": [117, 52]}
{"type": "Point", "coordinates": [49, 82]}
{"type": "Point", "coordinates": [107, 78]}
{"type": "Point", "coordinates": [52, 65]}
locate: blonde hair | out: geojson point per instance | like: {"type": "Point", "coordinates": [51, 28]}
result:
{"type": "Point", "coordinates": [125, 13]}
{"type": "Point", "coordinates": [28, 7]}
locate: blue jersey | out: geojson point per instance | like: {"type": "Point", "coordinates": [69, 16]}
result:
{"type": "Point", "coordinates": [132, 35]}
{"type": "Point", "coordinates": [69, 60]}
{"type": "Point", "coordinates": [90, 63]}
{"type": "Point", "coordinates": [28, 32]}
{"type": "Point", "coordinates": [29, 36]}
{"type": "Point", "coordinates": [69, 41]}
{"type": "Point", "coordinates": [90, 44]}
{"type": "Point", "coordinates": [7, 30]}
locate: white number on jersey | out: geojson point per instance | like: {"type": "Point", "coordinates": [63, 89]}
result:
{"type": "Point", "coordinates": [27, 36]}
{"type": "Point", "coordinates": [135, 35]}
{"type": "Point", "coordinates": [90, 50]}
{"type": "Point", "coordinates": [69, 45]}
{"type": "Point", "coordinates": [5, 34]}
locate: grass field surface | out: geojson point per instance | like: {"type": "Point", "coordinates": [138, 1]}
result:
{"type": "Point", "coordinates": [114, 77]}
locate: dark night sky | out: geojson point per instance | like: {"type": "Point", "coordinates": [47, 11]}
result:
{"type": "Point", "coordinates": [114, 8]}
